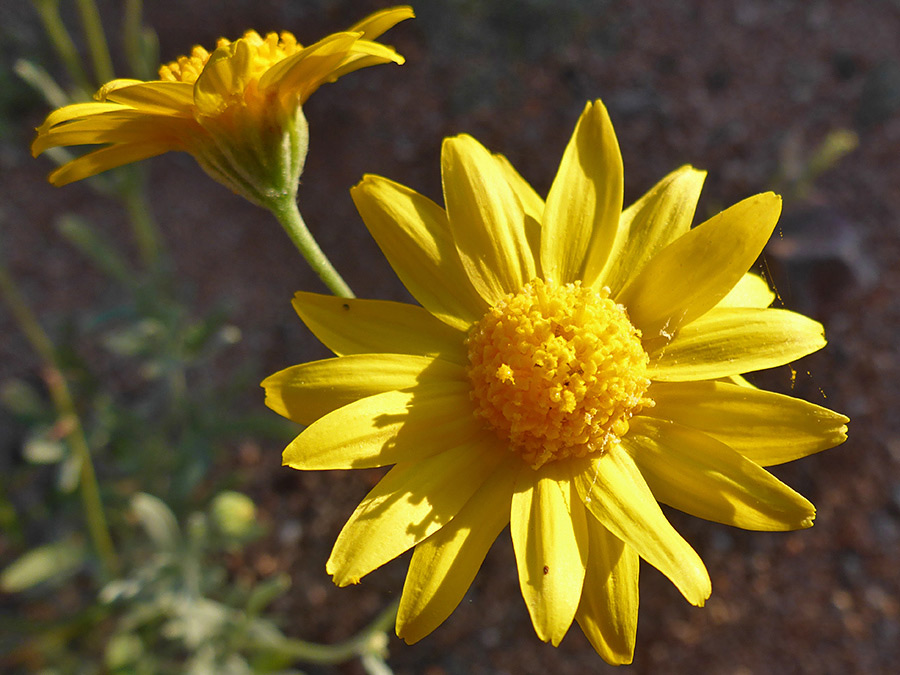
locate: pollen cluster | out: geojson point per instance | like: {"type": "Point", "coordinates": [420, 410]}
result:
{"type": "Point", "coordinates": [557, 371]}
{"type": "Point", "coordinates": [266, 52]}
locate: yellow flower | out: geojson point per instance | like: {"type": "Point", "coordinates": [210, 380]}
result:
{"type": "Point", "coordinates": [237, 110]}
{"type": "Point", "coordinates": [570, 366]}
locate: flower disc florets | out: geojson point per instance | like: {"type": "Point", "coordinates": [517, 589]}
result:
{"type": "Point", "coordinates": [266, 52]}
{"type": "Point", "coordinates": [557, 370]}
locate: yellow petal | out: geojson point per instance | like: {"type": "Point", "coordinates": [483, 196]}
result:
{"type": "Point", "coordinates": [531, 202]}
{"type": "Point", "coordinates": [614, 491]}
{"type": "Point", "coordinates": [582, 211]}
{"type": "Point", "coordinates": [413, 501]}
{"type": "Point", "coordinates": [160, 98]}
{"type": "Point", "coordinates": [309, 391]}
{"type": "Point", "coordinates": [414, 234]}
{"type": "Point", "coordinates": [532, 205]}
{"type": "Point", "coordinates": [699, 475]}
{"type": "Point", "coordinates": [362, 55]}
{"type": "Point", "coordinates": [650, 224]}
{"type": "Point", "coordinates": [224, 77]}
{"type": "Point", "coordinates": [765, 427]}
{"type": "Point", "coordinates": [76, 111]}
{"type": "Point", "coordinates": [122, 126]}
{"type": "Point", "coordinates": [351, 326]}
{"type": "Point", "coordinates": [382, 21]}
{"type": "Point", "coordinates": [486, 218]}
{"type": "Point", "coordinates": [732, 341]}
{"type": "Point", "coordinates": [303, 72]}
{"type": "Point", "coordinates": [608, 612]}
{"type": "Point", "coordinates": [693, 273]}
{"type": "Point", "coordinates": [443, 566]}
{"type": "Point", "coordinates": [103, 159]}
{"type": "Point", "coordinates": [548, 525]}
{"type": "Point", "coordinates": [382, 429]}
{"type": "Point", "coordinates": [751, 291]}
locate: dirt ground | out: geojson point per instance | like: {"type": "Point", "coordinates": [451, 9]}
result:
{"type": "Point", "coordinates": [745, 89]}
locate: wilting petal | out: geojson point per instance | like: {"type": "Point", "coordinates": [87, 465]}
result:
{"type": "Point", "coordinates": [614, 491]}
{"type": "Point", "coordinates": [693, 273]}
{"type": "Point", "coordinates": [486, 218]}
{"type": "Point", "coordinates": [582, 211]}
{"type": "Point", "coordinates": [443, 566]}
{"type": "Point", "coordinates": [650, 224]}
{"type": "Point", "coordinates": [413, 501]}
{"type": "Point", "coordinates": [382, 429]}
{"type": "Point", "coordinates": [697, 474]}
{"type": "Point", "coordinates": [731, 341]}
{"type": "Point", "coordinates": [309, 391]}
{"type": "Point", "coordinates": [352, 326]}
{"type": "Point", "coordinates": [765, 427]}
{"type": "Point", "coordinates": [608, 613]}
{"type": "Point", "coordinates": [548, 524]}
{"type": "Point", "coordinates": [414, 234]}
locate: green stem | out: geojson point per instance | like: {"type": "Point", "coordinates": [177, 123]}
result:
{"type": "Point", "coordinates": [145, 229]}
{"type": "Point", "coordinates": [288, 215]}
{"type": "Point", "coordinates": [62, 42]}
{"type": "Point", "coordinates": [96, 39]}
{"type": "Point", "coordinates": [68, 416]}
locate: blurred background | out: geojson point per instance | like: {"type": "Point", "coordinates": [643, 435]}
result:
{"type": "Point", "coordinates": [797, 96]}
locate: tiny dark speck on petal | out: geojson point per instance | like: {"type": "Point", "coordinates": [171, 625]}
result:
{"type": "Point", "coordinates": [346, 307]}
{"type": "Point", "coordinates": [546, 570]}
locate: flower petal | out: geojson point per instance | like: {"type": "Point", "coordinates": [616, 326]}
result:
{"type": "Point", "coordinates": [414, 234]}
{"type": "Point", "coordinates": [486, 218]}
{"type": "Point", "coordinates": [382, 429]}
{"type": "Point", "coordinates": [693, 273]}
{"type": "Point", "coordinates": [548, 524]}
{"type": "Point", "coordinates": [224, 77]}
{"type": "Point", "coordinates": [443, 566]}
{"type": "Point", "coordinates": [382, 21]}
{"type": "Point", "coordinates": [650, 224]}
{"type": "Point", "coordinates": [362, 55]}
{"type": "Point", "coordinates": [413, 501]}
{"type": "Point", "coordinates": [309, 391]}
{"type": "Point", "coordinates": [122, 126]}
{"type": "Point", "coordinates": [614, 491]}
{"type": "Point", "coordinates": [608, 612]}
{"type": "Point", "coordinates": [303, 72]}
{"type": "Point", "coordinates": [697, 474]}
{"type": "Point", "coordinates": [765, 427]}
{"type": "Point", "coordinates": [352, 326]}
{"type": "Point", "coordinates": [583, 207]}
{"type": "Point", "coordinates": [104, 159]}
{"type": "Point", "coordinates": [732, 341]}
{"type": "Point", "coordinates": [531, 202]}
{"type": "Point", "coordinates": [751, 291]}
{"type": "Point", "coordinates": [159, 98]}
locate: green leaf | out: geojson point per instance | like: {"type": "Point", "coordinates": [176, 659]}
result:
{"type": "Point", "coordinates": [157, 520]}
{"type": "Point", "coordinates": [42, 564]}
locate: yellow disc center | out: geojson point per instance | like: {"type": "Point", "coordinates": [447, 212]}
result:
{"type": "Point", "coordinates": [557, 370]}
{"type": "Point", "coordinates": [265, 52]}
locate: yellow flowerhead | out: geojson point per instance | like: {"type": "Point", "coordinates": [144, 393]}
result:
{"type": "Point", "coordinates": [571, 365]}
{"type": "Point", "coordinates": [237, 110]}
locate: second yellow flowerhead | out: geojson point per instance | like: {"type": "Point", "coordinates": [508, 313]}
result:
{"type": "Point", "coordinates": [237, 110]}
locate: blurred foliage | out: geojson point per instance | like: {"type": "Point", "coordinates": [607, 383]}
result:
{"type": "Point", "coordinates": [146, 586]}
